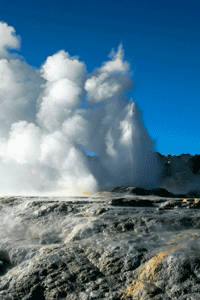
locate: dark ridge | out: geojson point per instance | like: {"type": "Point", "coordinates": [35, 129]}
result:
{"type": "Point", "coordinates": [130, 202]}
{"type": "Point", "coordinates": [143, 192]}
{"type": "Point", "coordinates": [131, 190]}
{"type": "Point", "coordinates": [193, 193]}
{"type": "Point", "coordinates": [161, 192]}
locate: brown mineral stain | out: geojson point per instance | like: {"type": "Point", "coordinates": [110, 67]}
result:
{"type": "Point", "coordinates": [184, 238]}
{"type": "Point", "coordinates": [86, 193]}
{"type": "Point", "coordinates": [150, 271]}
{"type": "Point", "coordinates": [135, 288]}
{"type": "Point", "coordinates": [191, 201]}
{"type": "Point", "coordinates": [149, 275]}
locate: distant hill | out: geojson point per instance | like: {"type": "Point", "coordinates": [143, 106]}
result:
{"type": "Point", "coordinates": [181, 173]}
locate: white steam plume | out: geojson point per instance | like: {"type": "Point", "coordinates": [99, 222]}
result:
{"type": "Point", "coordinates": [51, 118]}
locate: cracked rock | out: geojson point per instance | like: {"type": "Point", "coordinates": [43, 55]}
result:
{"type": "Point", "coordinates": [116, 245]}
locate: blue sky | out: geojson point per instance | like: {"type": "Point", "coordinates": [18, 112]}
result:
{"type": "Point", "coordinates": [161, 40]}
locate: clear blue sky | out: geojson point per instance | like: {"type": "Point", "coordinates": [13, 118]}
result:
{"type": "Point", "coordinates": [161, 40]}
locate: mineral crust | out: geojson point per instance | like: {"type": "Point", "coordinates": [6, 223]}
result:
{"type": "Point", "coordinates": [114, 245]}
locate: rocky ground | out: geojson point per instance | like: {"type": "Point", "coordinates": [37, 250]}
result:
{"type": "Point", "coordinates": [127, 244]}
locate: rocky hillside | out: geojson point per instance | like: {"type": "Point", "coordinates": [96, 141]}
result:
{"type": "Point", "coordinates": [180, 174]}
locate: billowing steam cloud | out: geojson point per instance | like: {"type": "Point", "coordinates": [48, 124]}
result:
{"type": "Point", "coordinates": [50, 119]}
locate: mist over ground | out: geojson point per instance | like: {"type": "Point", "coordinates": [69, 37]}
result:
{"type": "Point", "coordinates": [52, 118]}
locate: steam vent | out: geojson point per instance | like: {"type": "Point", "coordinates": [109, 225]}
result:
{"type": "Point", "coordinates": [127, 243]}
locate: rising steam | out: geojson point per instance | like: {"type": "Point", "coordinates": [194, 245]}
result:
{"type": "Point", "coordinates": [50, 119]}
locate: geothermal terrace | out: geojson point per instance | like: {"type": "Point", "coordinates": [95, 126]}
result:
{"type": "Point", "coordinates": [126, 244]}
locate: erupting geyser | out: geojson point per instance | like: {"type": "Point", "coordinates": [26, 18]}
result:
{"type": "Point", "coordinates": [53, 117]}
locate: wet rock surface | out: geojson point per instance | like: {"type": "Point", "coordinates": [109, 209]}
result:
{"type": "Point", "coordinates": [116, 245]}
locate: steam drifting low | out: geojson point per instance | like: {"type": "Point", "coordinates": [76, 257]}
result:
{"type": "Point", "coordinates": [52, 118]}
